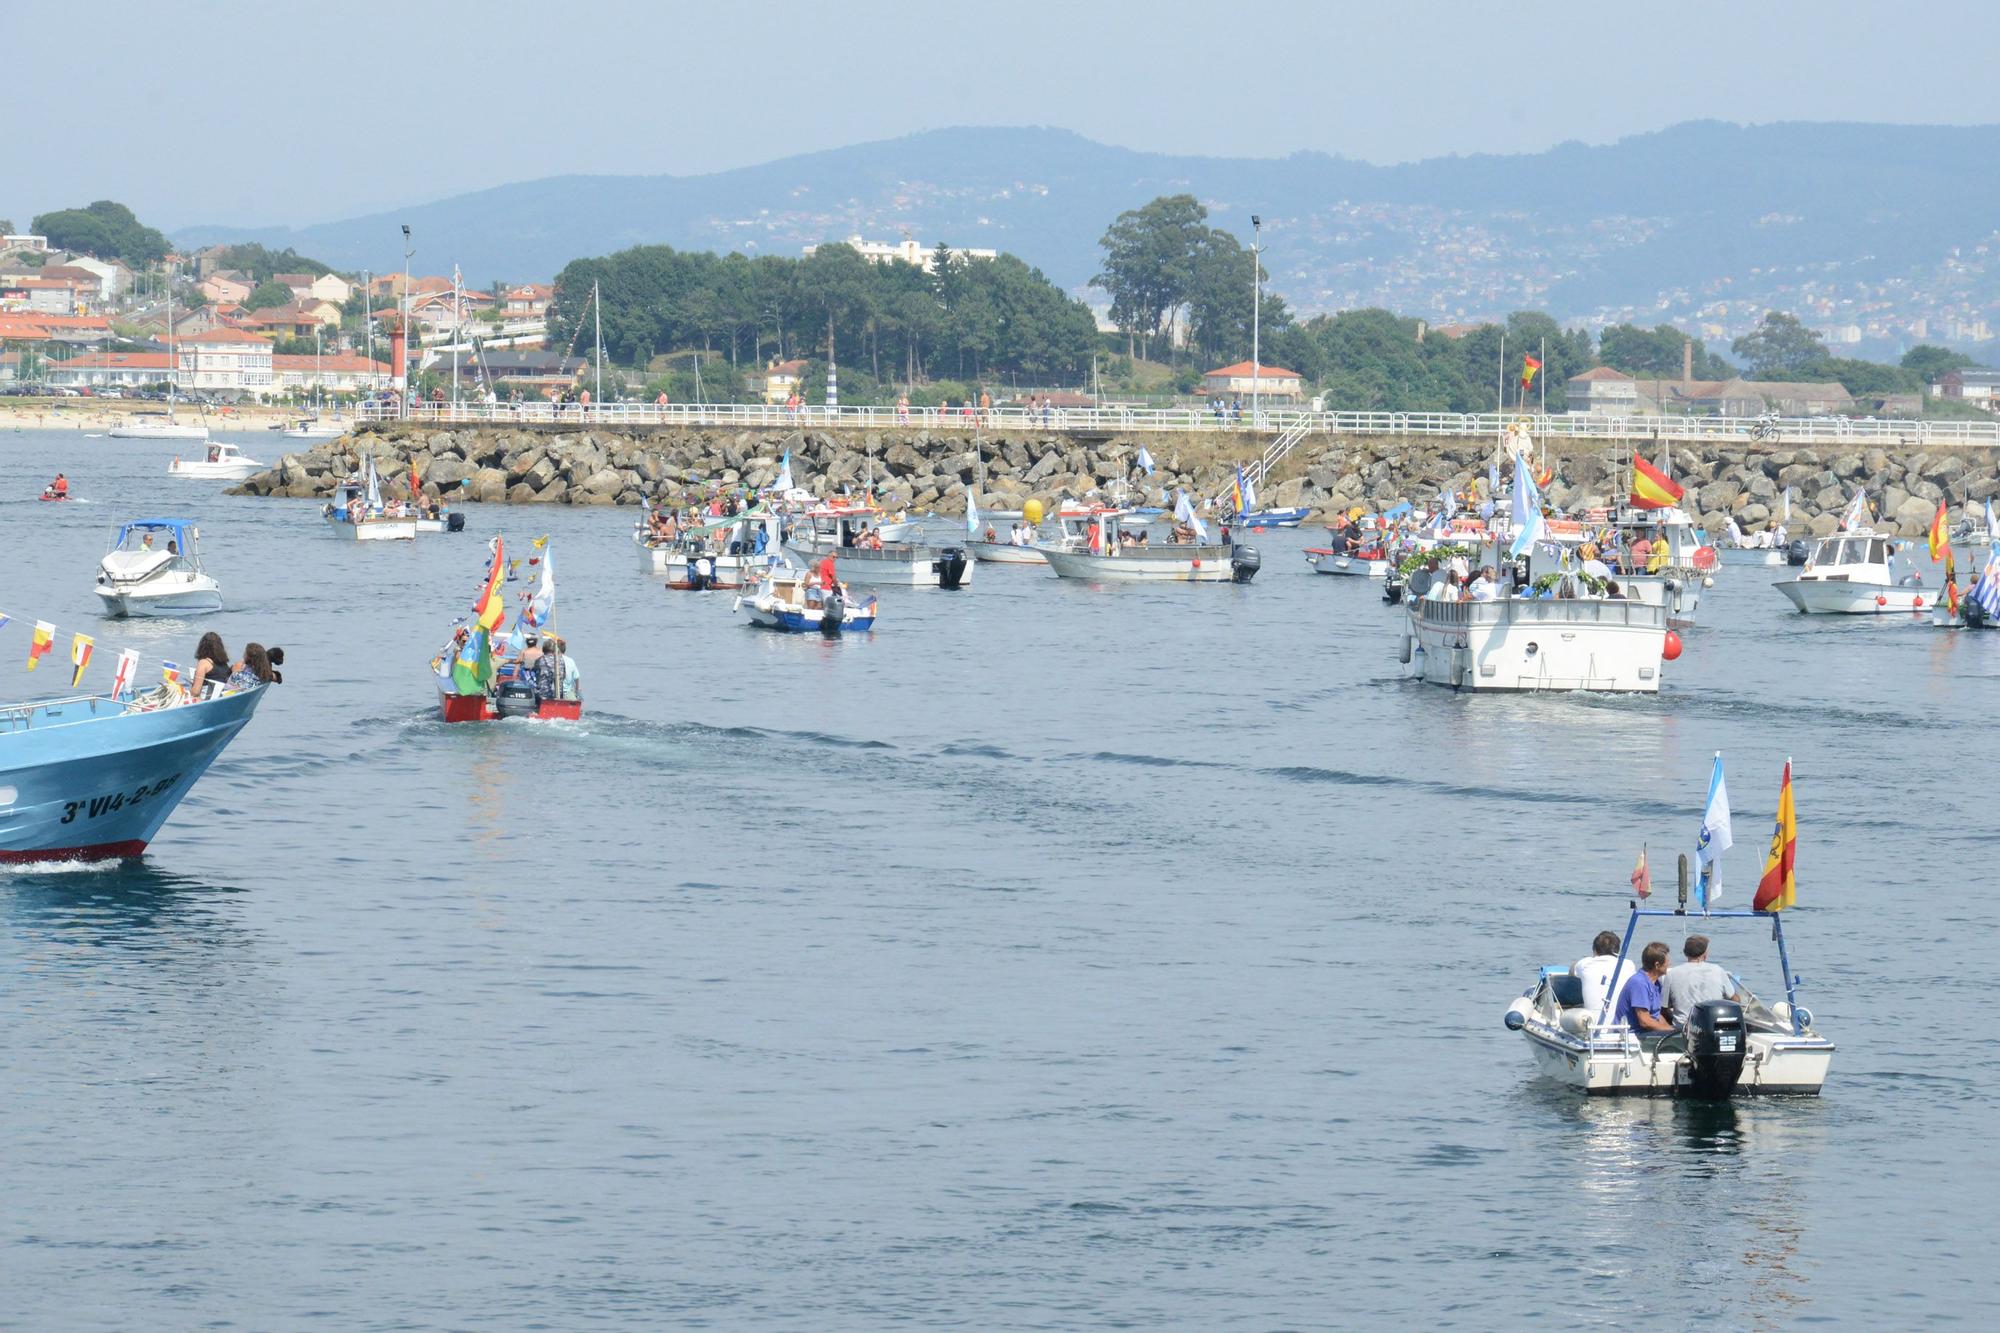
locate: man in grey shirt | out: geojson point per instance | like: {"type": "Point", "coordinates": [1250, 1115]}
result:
{"type": "Point", "coordinates": [1694, 981]}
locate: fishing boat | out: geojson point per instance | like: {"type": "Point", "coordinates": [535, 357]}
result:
{"type": "Point", "coordinates": [786, 600]}
{"type": "Point", "coordinates": [1850, 574]}
{"type": "Point", "coordinates": [357, 511]}
{"type": "Point", "coordinates": [93, 777]}
{"type": "Point", "coordinates": [724, 553]}
{"type": "Point", "coordinates": [1724, 1048]}
{"type": "Point", "coordinates": [1354, 564]}
{"type": "Point", "coordinates": [154, 569]}
{"type": "Point", "coordinates": [862, 557]}
{"type": "Point", "coordinates": [1069, 530]}
{"type": "Point", "coordinates": [1260, 519]}
{"type": "Point", "coordinates": [221, 461]}
{"type": "Point", "coordinates": [1105, 560]}
{"type": "Point", "coordinates": [482, 677]}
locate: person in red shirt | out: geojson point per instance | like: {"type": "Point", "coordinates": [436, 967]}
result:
{"type": "Point", "coordinates": [828, 579]}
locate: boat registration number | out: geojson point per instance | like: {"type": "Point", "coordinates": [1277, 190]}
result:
{"type": "Point", "coordinates": [118, 800]}
{"type": "Point", "coordinates": [1725, 1042]}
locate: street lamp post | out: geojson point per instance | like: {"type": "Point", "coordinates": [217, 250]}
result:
{"type": "Point", "coordinates": [1256, 319]}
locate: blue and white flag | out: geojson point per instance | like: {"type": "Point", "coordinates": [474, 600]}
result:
{"type": "Point", "coordinates": [971, 515]}
{"type": "Point", "coordinates": [1492, 477]}
{"type": "Point", "coordinates": [1713, 839]}
{"type": "Point", "coordinates": [1184, 510]}
{"type": "Point", "coordinates": [1992, 525]}
{"type": "Point", "coordinates": [1249, 496]}
{"type": "Point", "coordinates": [1857, 512]}
{"type": "Point", "coordinates": [1785, 505]}
{"type": "Point", "coordinates": [1145, 461]}
{"type": "Point", "coordinates": [1985, 594]}
{"type": "Point", "coordinates": [784, 481]}
{"type": "Point", "coordinates": [542, 606]}
{"type": "Point", "coordinates": [4, 618]}
{"type": "Point", "coordinates": [1527, 509]}
{"type": "Point", "coordinates": [1450, 503]}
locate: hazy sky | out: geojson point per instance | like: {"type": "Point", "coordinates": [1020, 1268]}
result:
{"type": "Point", "coordinates": [253, 113]}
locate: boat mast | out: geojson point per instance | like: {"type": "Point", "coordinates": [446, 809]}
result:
{"type": "Point", "coordinates": [173, 363]}
{"type": "Point", "coordinates": [597, 314]}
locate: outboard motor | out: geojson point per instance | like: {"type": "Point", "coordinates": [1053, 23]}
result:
{"type": "Point", "coordinates": [1244, 562]}
{"type": "Point", "coordinates": [1716, 1039]}
{"type": "Point", "coordinates": [832, 614]}
{"type": "Point", "coordinates": [1974, 613]}
{"type": "Point", "coordinates": [516, 698]}
{"type": "Point", "coordinates": [950, 566]}
{"type": "Point", "coordinates": [1798, 551]}
{"type": "Point", "coordinates": [454, 522]}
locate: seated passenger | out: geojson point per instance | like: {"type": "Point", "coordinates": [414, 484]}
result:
{"type": "Point", "coordinates": [1596, 972]}
{"type": "Point", "coordinates": [1639, 1003]}
{"type": "Point", "coordinates": [1695, 981]}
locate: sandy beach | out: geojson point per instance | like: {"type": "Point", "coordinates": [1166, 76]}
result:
{"type": "Point", "coordinates": [101, 414]}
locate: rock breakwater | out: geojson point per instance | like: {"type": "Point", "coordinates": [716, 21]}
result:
{"type": "Point", "coordinates": [932, 470]}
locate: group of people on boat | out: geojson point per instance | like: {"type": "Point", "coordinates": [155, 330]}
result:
{"type": "Point", "coordinates": [213, 674]}
{"type": "Point", "coordinates": [57, 489]}
{"type": "Point", "coordinates": [1452, 579]}
{"type": "Point", "coordinates": [1651, 998]}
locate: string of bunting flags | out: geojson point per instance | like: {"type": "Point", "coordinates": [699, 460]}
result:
{"type": "Point", "coordinates": [82, 650]}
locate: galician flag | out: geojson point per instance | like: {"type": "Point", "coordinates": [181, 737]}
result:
{"type": "Point", "coordinates": [80, 648]}
{"type": "Point", "coordinates": [128, 666]}
{"type": "Point", "coordinates": [971, 516]}
{"type": "Point", "coordinates": [491, 608]}
{"type": "Point", "coordinates": [1780, 885]}
{"type": "Point", "coordinates": [45, 639]}
{"type": "Point", "coordinates": [1145, 461]}
{"type": "Point", "coordinates": [1857, 511]}
{"type": "Point", "coordinates": [542, 606]}
{"type": "Point", "coordinates": [1713, 839]}
{"type": "Point", "coordinates": [784, 481]}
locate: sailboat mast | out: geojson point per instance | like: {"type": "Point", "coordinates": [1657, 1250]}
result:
{"type": "Point", "coordinates": [597, 314]}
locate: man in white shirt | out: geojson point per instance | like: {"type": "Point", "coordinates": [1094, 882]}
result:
{"type": "Point", "coordinates": [1596, 974]}
{"type": "Point", "coordinates": [1485, 588]}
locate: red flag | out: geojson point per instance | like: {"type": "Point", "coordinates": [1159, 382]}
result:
{"type": "Point", "coordinates": [1652, 488]}
{"type": "Point", "coordinates": [1779, 886]}
{"type": "Point", "coordinates": [1642, 877]}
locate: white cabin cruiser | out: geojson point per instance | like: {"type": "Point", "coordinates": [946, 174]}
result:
{"type": "Point", "coordinates": [1851, 574]}
{"type": "Point", "coordinates": [727, 553]}
{"type": "Point", "coordinates": [1108, 559]}
{"type": "Point", "coordinates": [157, 426]}
{"type": "Point", "coordinates": [154, 569]}
{"type": "Point", "coordinates": [221, 461]}
{"type": "Point", "coordinates": [1571, 634]}
{"type": "Point", "coordinates": [308, 428]}
{"type": "Point", "coordinates": [1724, 1048]}
{"type": "Point", "coordinates": [860, 556]}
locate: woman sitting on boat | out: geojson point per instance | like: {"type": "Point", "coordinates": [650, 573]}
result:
{"type": "Point", "coordinates": [211, 663]}
{"type": "Point", "coordinates": [254, 669]}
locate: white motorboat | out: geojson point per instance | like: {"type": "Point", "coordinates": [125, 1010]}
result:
{"type": "Point", "coordinates": [1005, 553]}
{"type": "Point", "coordinates": [221, 462]}
{"type": "Point", "coordinates": [1751, 557]}
{"type": "Point", "coordinates": [1105, 559]}
{"type": "Point", "coordinates": [154, 569]}
{"type": "Point", "coordinates": [308, 428]}
{"type": "Point", "coordinates": [1850, 574]}
{"type": "Point", "coordinates": [860, 556]}
{"type": "Point", "coordinates": [357, 511]}
{"type": "Point", "coordinates": [728, 553]}
{"type": "Point", "coordinates": [157, 426]}
{"type": "Point", "coordinates": [1724, 1048]}
{"type": "Point", "coordinates": [1326, 560]}
{"type": "Point", "coordinates": [787, 600]}
{"type": "Point", "coordinates": [1069, 531]}
{"type": "Point", "coordinates": [1674, 580]}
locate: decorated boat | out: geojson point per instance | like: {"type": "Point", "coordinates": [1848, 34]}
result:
{"type": "Point", "coordinates": [792, 602]}
{"type": "Point", "coordinates": [93, 777]}
{"type": "Point", "coordinates": [1851, 574]}
{"type": "Point", "coordinates": [862, 556]}
{"type": "Point", "coordinates": [358, 512]}
{"type": "Point", "coordinates": [725, 553]}
{"type": "Point", "coordinates": [1108, 559]}
{"type": "Point", "coordinates": [221, 461]}
{"type": "Point", "coordinates": [485, 674]}
{"type": "Point", "coordinates": [154, 569]}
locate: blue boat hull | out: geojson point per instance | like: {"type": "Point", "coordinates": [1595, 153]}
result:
{"type": "Point", "coordinates": [87, 780]}
{"type": "Point", "coordinates": [1271, 518]}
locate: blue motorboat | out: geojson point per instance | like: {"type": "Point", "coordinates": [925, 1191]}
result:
{"type": "Point", "coordinates": [92, 778]}
{"type": "Point", "coordinates": [1271, 518]}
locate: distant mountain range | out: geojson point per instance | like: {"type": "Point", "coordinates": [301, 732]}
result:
{"type": "Point", "coordinates": [1701, 223]}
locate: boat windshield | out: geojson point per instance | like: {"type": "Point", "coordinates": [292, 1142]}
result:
{"type": "Point", "coordinates": [149, 539]}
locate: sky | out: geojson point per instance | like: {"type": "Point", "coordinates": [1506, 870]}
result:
{"type": "Point", "coordinates": [254, 114]}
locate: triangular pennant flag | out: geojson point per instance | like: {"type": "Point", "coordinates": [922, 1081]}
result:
{"type": "Point", "coordinates": [80, 648]}
{"type": "Point", "coordinates": [45, 639]}
{"type": "Point", "coordinates": [128, 665]}
{"type": "Point", "coordinates": [170, 672]}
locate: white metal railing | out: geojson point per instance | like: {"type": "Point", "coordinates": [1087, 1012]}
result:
{"type": "Point", "coordinates": [1768, 431]}
{"type": "Point", "coordinates": [1289, 440]}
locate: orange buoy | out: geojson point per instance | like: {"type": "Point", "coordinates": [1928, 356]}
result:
{"type": "Point", "coordinates": [1671, 649]}
{"type": "Point", "coordinates": [1917, 604]}
{"type": "Point", "coordinates": [1880, 600]}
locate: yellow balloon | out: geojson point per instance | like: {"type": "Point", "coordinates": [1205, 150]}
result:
{"type": "Point", "coordinates": [1032, 512]}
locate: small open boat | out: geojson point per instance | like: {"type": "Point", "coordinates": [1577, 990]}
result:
{"type": "Point", "coordinates": [482, 677]}
{"type": "Point", "coordinates": [787, 600]}
{"type": "Point", "coordinates": [357, 511]}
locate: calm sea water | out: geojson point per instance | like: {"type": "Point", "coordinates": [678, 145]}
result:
{"type": "Point", "coordinates": [1057, 957]}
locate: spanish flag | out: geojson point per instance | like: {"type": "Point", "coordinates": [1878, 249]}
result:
{"type": "Point", "coordinates": [1529, 365]}
{"type": "Point", "coordinates": [491, 608]}
{"type": "Point", "coordinates": [1938, 540]}
{"type": "Point", "coordinates": [45, 639]}
{"type": "Point", "coordinates": [79, 658]}
{"type": "Point", "coordinates": [1779, 887]}
{"type": "Point", "coordinates": [1652, 488]}
{"type": "Point", "coordinates": [1950, 582]}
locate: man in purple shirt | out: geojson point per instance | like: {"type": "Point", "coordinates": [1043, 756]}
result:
{"type": "Point", "coordinates": [1639, 1003]}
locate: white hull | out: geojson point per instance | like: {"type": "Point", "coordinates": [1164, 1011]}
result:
{"type": "Point", "coordinates": [1616, 1065]}
{"type": "Point", "coordinates": [159, 432]}
{"type": "Point", "coordinates": [1155, 564]}
{"type": "Point", "coordinates": [198, 471]}
{"type": "Point", "coordinates": [1350, 566]}
{"type": "Point", "coordinates": [1006, 553]}
{"type": "Point", "coordinates": [1538, 644]}
{"type": "Point", "coordinates": [314, 433]}
{"type": "Point", "coordinates": [171, 595]}
{"type": "Point", "coordinates": [1751, 557]}
{"type": "Point", "coordinates": [430, 525]}
{"type": "Point", "coordinates": [1682, 599]}
{"type": "Point", "coordinates": [374, 529]}
{"type": "Point", "coordinates": [890, 567]}
{"type": "Point", "coordinates": [1833, 597]}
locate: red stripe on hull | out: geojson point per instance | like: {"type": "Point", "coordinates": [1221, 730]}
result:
{"type": "Point", "coordinates": [103, 851]}
{"type": "Point", "coordinates": [479, 708]}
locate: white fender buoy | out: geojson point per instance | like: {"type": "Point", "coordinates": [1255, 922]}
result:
{"type": "Point", "coordinates": [1403, 655]}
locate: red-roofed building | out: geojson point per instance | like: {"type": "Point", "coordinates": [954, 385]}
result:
{"type": "Point", "coordinates": [1264, 381]}
{"type": "Point", "coordinates": [227, 362]}
{"type": "Point", "coordinates": [297, 320]}
{"type": "Point", "coordinates": [528, 301]}
{"type": "Point", "coordinates": [25, 326]}
{"type": "Point", "coordinates": [341, 373]}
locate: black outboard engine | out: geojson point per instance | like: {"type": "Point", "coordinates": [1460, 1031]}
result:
{"type": "Point", "coordinates": [1974, 613]}
{"type": "Point", "coordinates": [1716, 1038]}
{"type": "Point", "coordinates": [1392, 586]}
{"type": "Point", "coordinates": [950, 566]}
{"type": "Point", "coordinates": [1244, 562]}
{"type": "Point", "coordinates": [832, 614]}
{"type": "Point", "coordinates": [515, 698]}
{"type": "Point", "coordinates": [454, 523]}
{"type": "Point", "coordinates": [1798, 551]}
